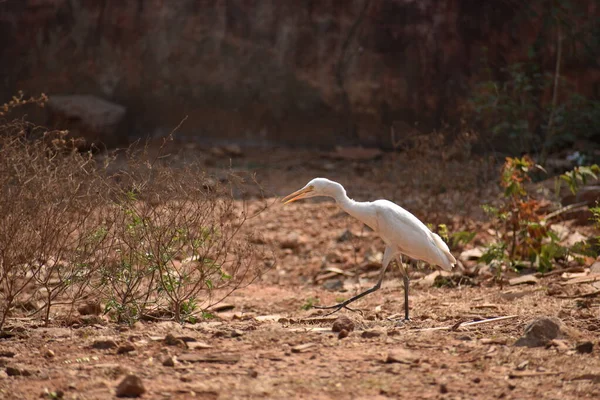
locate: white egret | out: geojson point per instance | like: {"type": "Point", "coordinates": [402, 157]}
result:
{"type": "Point", "coordinates": [402, 232]}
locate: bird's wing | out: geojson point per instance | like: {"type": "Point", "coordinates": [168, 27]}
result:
{"type": "Point", "coordinates": [402, 230]}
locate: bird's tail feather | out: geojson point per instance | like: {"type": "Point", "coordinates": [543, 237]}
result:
{"type": "Point", "coordinates": [445, 252]}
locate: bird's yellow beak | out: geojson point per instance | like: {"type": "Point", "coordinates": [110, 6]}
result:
{"type": "Point", "coordinates": [297, 195]}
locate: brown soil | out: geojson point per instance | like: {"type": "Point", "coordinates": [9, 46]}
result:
{"type": "Point", "coordinates": [271, 345]}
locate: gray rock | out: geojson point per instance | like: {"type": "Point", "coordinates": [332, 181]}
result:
{"type": "Point", "coordinates": [333, 284]}
{"type": "Point", "coordinates": [539, 332]}
{"type": "Point", "coordinates": [88, 117]}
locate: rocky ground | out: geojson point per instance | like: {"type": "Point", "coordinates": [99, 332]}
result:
{"type": "Point", "coordinates": [471, 336]}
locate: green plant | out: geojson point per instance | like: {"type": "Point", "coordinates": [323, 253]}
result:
{"type": "Point", "coordinates": [532, 102]}
{"type": "Point", "coordinates": [310, 303]}
{"type": "Point", "coordinates": [522, 235]}
{"type": "Point", "coordinates": [579, 176]}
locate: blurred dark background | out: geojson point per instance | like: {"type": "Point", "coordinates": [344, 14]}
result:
{"type": "Point", "coordinates": [318, 72]}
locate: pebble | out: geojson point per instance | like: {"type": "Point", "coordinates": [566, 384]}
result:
{"type": "Point", "coordinates": [402, 356]}
{"type": "Point", "coordinates": [372, 333]}
{"type": "Point", "coordinates": [342, 323]}
{"type": "Point", "coordinates": [345, 236]}
{"type": "Point", "coordinates": [125, 348]}
{"type": "Point", "coordinates": [171, 340]}
{"type": "Point", "coordinates": [539, 332]}
{"type": "Point", "coordinates": [14, 370]}
{"type": "Point", "coordinates": [104, 344]}
{"type": "Point", "coordinates": [169, 361]}
{"type": "Point", "coordinates": [333, 284]}
{"type": "Point", "coordinates": [90, 308]}
{"type": "Point", "coordinates": [7, 353]}
{"type": "Point", "coordinates": [130, 386]}
{"type": "Point", "coordinates": [585, 347]}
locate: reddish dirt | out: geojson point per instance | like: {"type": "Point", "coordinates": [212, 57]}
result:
{"type": "Point", "coordinates": [270, 346]}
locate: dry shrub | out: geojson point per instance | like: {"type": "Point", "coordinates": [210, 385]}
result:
{"type": "Point", "coordinates": [147, 240]}
{"type": "Point", "coordinates": [46, 201]}
{"type": "Point", "coordinates": [175, 241]}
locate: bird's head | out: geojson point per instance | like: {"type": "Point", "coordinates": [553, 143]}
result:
{"type": "Point", "coordinates": [314, 188]}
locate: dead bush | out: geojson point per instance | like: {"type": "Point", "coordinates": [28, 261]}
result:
{"type": "Point", "coordinates": [175, 242]}
{"type": "Point", "coordinates": [147, 240]}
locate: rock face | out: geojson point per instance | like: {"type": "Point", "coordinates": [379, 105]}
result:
{"type": "Point", "coordinates": [303, 72]}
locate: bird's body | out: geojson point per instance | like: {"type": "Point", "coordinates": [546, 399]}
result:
{"type": "Point", "coordinates": [401, 231]}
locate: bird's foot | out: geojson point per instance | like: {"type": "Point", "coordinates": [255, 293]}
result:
{"type": "Point", "coordinates": [403, 322]}
{"type": "Point", "coordinates": [336, 308]}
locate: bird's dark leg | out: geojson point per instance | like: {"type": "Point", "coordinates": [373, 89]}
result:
{"type": "Point", "coordinates": [344, 304]}
{"type": "Point", "coordinates": [406, 281]}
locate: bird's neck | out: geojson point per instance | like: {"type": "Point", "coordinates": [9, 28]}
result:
{"type": "Point", "coordinates": [354, 208]}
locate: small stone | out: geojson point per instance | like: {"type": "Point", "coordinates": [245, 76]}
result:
{"type": "Point", "coordinates": [333, 285]}
{"type": "Point", "coordinates": [252, 373]}
{"type": "Point", "coordinates": [222, 307]}
{"type": "Point", "coordinates": [345, 236]}
{"type": "Point", "coordinates": [236, 333]}
{"type": "Point", "coordinates": [595, 268]}
{"type": "Point", "coordinates": [29, 306]}
{"type": "Point", "coordinates": [372, 333]}
{"type": "Point", "coordinates": [303, 348]}
{"type": "Point", "coordinates": [342, 323]}
{"type": "Point", "coordinates": [471, 254]}
{"type": "Point", "coordinates": [476, 380]}
{"type": "Point", "coordinates": [90, 308]}
{"type": "Point", "coordinates": [171, 340]}
{"type": "Point", "coordinates": [233, 150]}
{"type": "Point", "coordinates": [525, 279]}
{"type": "Point", "coordinates": [104, 344]}
{"type": "Point", "coordinates": [585, 347]}
{"type": "Point", "coordinates": [125, 348]}
{"type": "Point", "coordinates": [539, 333]}
{"type": "Point", "coordinates": [443, 388]}
{"type": "Point", "coordinates": [343, 334]}
{"type": "Point", "coordinates": [49, 354]}
{"type": "Point", "coordinates": [402, 356]}
{"type": "Point", "coordinates": [169, 361]}
{"type": "Point", "coordinates": [291, 241]}
{"type": "Point", "coordinates": [217, 152]}
{"type": "Point", "coordinates": [14, 370]}
{"type": "Point", "coordinates": [521, 366]}
{"type": "Point", "coordinates": [7, 353]}
{"type": "Point", "coordinates": [130, 386]}
{"type": "Point", "coordinates": [58, 394]}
